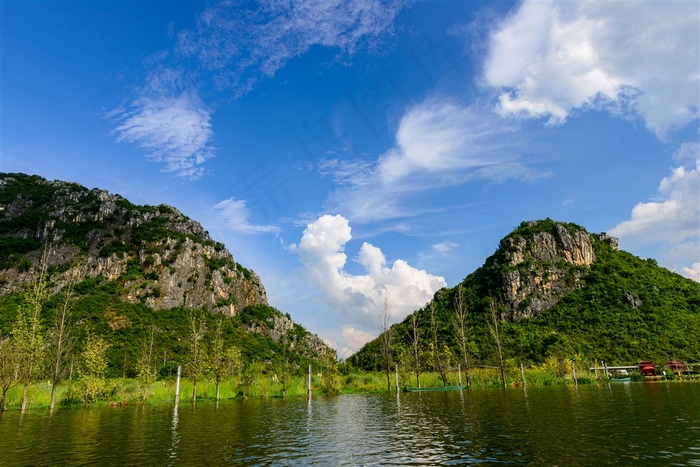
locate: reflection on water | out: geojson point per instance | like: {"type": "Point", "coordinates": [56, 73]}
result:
{"type": "Point", "coordinates": [628, 424]}
{"type": "Point", "coordinates": [174, 436]}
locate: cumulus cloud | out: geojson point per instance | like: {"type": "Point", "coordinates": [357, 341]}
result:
{"type": "Point", "coordinates": [174, 130]}
{"type": "Point", "coordinates": [235, 215]}
{"type": "Point", "coordinates": [352, 340]}
{"type": "Point", "coordinates": [673, 218]}
{"type": "Point", "coordinates": [242, 44]}
{"type": "Point", "coordinates": [634, 58]}
{"type": "Point", "coordinates": [360, 297]}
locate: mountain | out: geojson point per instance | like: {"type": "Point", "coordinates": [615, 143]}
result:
{"type": "Point", "coordinates": [133, 267]}
{"type": "Point", "coordinates": [560, 291]}
{"type": "Point", "coordinates": [162, 258]}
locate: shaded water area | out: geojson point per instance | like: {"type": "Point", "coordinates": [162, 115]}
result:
{"type": "Point", "coordinates": [620, 424]}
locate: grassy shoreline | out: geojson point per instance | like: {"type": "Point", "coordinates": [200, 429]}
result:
{"type": "Point", "coordinates": [129, 391]}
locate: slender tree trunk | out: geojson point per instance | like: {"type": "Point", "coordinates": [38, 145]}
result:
{"type": "Point", "coordinates": [53, 397]}
{"type": "Point", "coordinates": [436, 346]}
{"type": "Point", "coordinates": [500, 359]}
{"type": "Point", "coordinates": [497, 337]}
{"type": "Point", "coordinates": [24, 398]}
{"type": "Point", "coordinates": [385, 340]}
{"type": "Point", "coordinates": [416, 352]}
{"type": "Point", "coordinates": [217, 390]}
{"type": "Point", "coordinates": [462, 328]}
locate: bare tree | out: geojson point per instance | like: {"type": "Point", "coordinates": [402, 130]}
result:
{"type": "Point", "coordinates": [493, 329]}
{"type": "Point", "coordinates": [61, 342]}
{"type": "Point", "coordinates": [196, 366]}
{"type": "Point", "coordinates": [385, 339]}
{"type": "Point", "coordinates": [28, 331]}
{"type": "Point", "coordinates": [461, 327]}
{"type": "Point", "coordinates": [145, 370]}
{"type": "Point", "coordinates": [414, 335]}
{"type": "Point", "coordinates": [437, 358]}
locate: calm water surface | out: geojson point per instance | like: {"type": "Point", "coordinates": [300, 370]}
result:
{"type": "Point", "coordinates": [620, 424]}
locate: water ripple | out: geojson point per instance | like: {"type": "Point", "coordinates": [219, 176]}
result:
{"type": "Point", "coordinates": [607, 425]}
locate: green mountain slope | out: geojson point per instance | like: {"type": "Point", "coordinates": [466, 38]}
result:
{"type": "Point", "coordinates": [134, 269]}
{"type": "Point", "coordinates": [562, 292]}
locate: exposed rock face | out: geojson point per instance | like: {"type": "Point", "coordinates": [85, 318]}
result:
{"type": "Point", "coordinates": [542, 267]}
{"type": "Point", "coordinates": [162, 258]}
{"type": "Point", "coordinates": [309, 345]}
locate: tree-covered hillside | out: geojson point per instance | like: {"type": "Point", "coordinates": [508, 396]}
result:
{"type": "Point", "coordinates": [261, 333]}
{"type": "Point", "coordinates": [557, 291]}
{"type": "Point", "coordinates": [131, 277]}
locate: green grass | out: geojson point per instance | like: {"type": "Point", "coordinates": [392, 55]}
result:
{"type": "Point", "coordinates": [126, 391]}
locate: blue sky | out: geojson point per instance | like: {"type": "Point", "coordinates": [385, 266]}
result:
{"type": "Point", "coordinates": [354, 152]}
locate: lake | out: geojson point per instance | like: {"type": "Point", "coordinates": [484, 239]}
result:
{"type": "Point", "coordinates": [617, 423]}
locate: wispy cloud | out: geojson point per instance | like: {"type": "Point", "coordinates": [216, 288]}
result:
{"type": "Point", "coordinates": [235, 216]}
{"type": "Point", "coordinates": [444, 247]}
{"type": "Point", "coordinates": [632, 58]}
{"type": "Point", "coordinates": [243, 43]}
{"type": "Point", "coordinates": [439, 143]}
{"type": "Point", "coordinates": [233, 46]}
{"type": "Point", "coordinates": [173, 130]}
{"type": "Point", "coordinates": [673, 218]}
{"type": "Point", "coordinates": [360, 298]}
{"type": "Point", "coordinates": [438, 136]}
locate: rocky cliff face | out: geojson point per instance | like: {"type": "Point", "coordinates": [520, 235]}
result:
{"type": "Point", "coordinates": [541, 262]}
{"type": "Point", "coordinates": [281, 327]}
{"type": "Point", "coordinates": [162, 258]}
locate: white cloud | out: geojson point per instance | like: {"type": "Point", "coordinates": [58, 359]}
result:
{"type": "Point", "coordinates": [352, 340]}
{"type": "Point", "coordinates": [444, 247]}
{"type": "Point", "coordinates": [241, 45]}
{"type": "Point", "coordinates": [687, 153]}
{"type": "Point", "coordinates": [692, 272]}
{"type": "Point", "coordinates": [235, 45]}
{"type": "Point", "coordinates": [439, 136]}
{"type": "Point", "coordinates": [552, 58]}
{"type": "Point", "coordinates": [439, 144]}
{"type": "Point", "coordinates": [673, 219]}
{"type": "Point", "coordinates": [360, 298]}
{"type": "Point", "coordinates": [235, 214]}
{"type": "Point", "coordinates": [174, 130]}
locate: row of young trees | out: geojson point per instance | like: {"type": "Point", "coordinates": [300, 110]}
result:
{"type": "Point", "coordinates": [215, 360]}
{"type": "Point", "coordinates": [34, 350]}
{"type": "Point", "coordinates": [40, 348]}
{"type": "Point", "coordinates": [439, 356]}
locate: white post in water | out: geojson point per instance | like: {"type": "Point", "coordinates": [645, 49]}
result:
{"type": "Point", "coordinates": [522, 374]}
{"type": "Point", "coordinates": [459, 373]}
{"type": "Point", "coordinates": [177, 384]}
{"type": "Point", "coordinates": [396, 372]}
{"type": "Point", "coordinates": [308, 390]}
{"type": "Point", "coordinates": [573, 372]}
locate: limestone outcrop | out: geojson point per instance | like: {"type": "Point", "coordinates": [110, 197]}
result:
{"type": "Point", "coordinates": [542, 262]}
{"type": "Point", "coordinates": [158, 255]}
